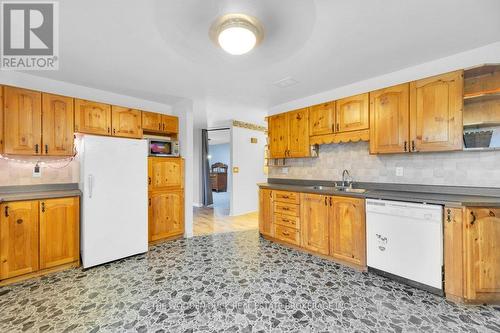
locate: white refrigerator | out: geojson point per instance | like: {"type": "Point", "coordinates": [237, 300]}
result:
{"type": "Point", "coordinates": [113, 179]}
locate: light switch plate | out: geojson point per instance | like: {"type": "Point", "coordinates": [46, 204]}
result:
{"type": "Point", "coordinates": [399, 172]}
{"type": "Point", "coordinates": [37, 171]}
{"type": "Point", "coordinates": [284, 170]}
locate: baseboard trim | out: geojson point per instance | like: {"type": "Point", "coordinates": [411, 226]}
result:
{"type": "Point", "coordinates": [197, 205]}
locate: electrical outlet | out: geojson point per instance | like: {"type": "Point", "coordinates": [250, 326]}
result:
{"type": "Point", "coordinates": [37, 171]}
{"type": "Point", "coordinates": [284, 171]}
{"type": "Point", "coordinates": [399, 172]}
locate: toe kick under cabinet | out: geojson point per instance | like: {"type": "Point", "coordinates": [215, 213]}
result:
{"type": "Point", "coordinates": [331, 226]}
{"type": "Point", "coordinates": [38, 237]}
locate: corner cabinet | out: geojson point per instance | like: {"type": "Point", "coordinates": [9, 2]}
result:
{"type": "Point", "coordinates": [436, 108]}
{"type": "Point", "coordinates": [266, 222]}
{"type": "Point", "coordinates": [38, 236]}
{"type": "Point", "coordinates": [92, 117]}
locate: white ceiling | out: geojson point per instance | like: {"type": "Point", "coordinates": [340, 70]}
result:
{"type": "Point", "coordinates": [160, 50]}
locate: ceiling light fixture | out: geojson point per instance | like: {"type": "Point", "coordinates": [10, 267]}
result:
{"type": "Point", "coordinates": [236, 33]}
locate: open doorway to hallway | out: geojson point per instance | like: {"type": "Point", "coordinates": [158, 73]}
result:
{"type": "Point", "coordinates": [219, 162]}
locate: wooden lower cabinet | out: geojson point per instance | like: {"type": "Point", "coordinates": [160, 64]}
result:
{"type": "Point", "coordinates": [166, 215]}
{"type": "Point", "coordinates": [18, 238]}
{"type": "Point", "coordinates": [315, 222]}
{"type": "Point", "coordinates": [38, 235]}
{"type": "Point", "coordinates": [59, 231]}
{"type": "Point", "coordinates": [266, 225]}
{"type": "Point", "coordinates": [165, 173]}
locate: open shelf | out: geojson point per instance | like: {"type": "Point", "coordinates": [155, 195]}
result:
{"type": "Point", "coordinates": [481, 70]}
{"type": "Point", "coordinates": [482, 124]}
{"type": "Point", "coordinates": [481, 96]}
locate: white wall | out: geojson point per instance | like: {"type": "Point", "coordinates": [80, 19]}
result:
{"type": "Point", "coordinates": [249, 158]}
{"type": "Point", "coordinates": [220, 153]}
{"type": "Point", "coordinates": [482, 55]}
{"type": "Point", "coordinates": [199, 123]}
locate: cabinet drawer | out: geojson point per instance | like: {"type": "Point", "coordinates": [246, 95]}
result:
{"type": "Point", "coordinates": [287, 221]}
{"type": "Point", "coordinates": [286, 234]}
{"type": "Point", "coordinates": [286, 208]}
{"type": "Point", "coordinates": [285, 196]}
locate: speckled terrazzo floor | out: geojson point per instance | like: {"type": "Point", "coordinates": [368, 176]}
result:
{"type": "Point", "coordinates": [230, 282]}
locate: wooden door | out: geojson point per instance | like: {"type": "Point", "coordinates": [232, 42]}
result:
{"type": "Point", "coordinates": [436, 106]}
{"type": "Point", "coordinates": [322, 119]}
{"type": "Point", "coordinates": [127, 123]}
{"type": "Point", "coordinates": [352, 113]}
{"type": "Point", "coordinates": [348, 230]}
{"type": "Point", "coordinates": [23, 121]}
{"type": "Point", "coordinates": [166, 173]}
{"type": "Point", "coordinates": [1, 120]}
{"type": "Point", "coordinates": [298, 133]}
{"type": "Point", "coordinates": [390, 120]}
{"type": "Point", "coordinates": [453, 253]}
{"type": "Point", "coordinates": [314, 210]}
{"type": "Point", "coordinates": [58, 125]}
{"type": "Point", "coordinates": [92, 117]}
{"type": "Point", "coordinates": [18, 238]}
{"type": "Point", "coordinates": [167, 215]}
{"type": "Point", "coordinates": [266, 225]}
{"type": "Point", "coordinates": [59, 231]}
{"type": "Point", "coordinates": [278, 135]}
{"type": "Point", "coordinates": [483, 255]}
{"type": "Point", "coordinates": [170, 124]}
{"type": "Point", "coordinates": [151, 121]}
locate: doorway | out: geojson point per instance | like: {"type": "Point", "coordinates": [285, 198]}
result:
{"type": "Point", "coordinates": [219, 164]}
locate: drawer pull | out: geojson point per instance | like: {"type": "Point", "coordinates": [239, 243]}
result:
{"type": "Point", "coordinates": [492, 214]}
{"type": "Point", "coordinates": [285, 196]}
{"type": "Point", "coordinates": [286, 233]}
{"type": "Point", "coordinates": [285, 208]}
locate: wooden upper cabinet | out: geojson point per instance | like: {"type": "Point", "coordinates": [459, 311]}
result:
{"type": "Point", "coordinates": [151, 121]}
{"type": "Point", "coordinates": [352, 113]}
{"type": "Point", "coordinates": [59, 231]}
{"type": "Point", "coordinates": [92, 117]}
{"type": "Point", "coordinates": [23, 121]}
{"type": "Point", "coordinates": [314, 218]}
{"type": "Point", "coordinates": [390, 120]}
{"type": "Point", "coordinates": [166, 214]}
{"type": "Point", "coordinates": [166, 173]}
{"type": "Point", "coordinates": [18, 238]}
{"type": "Point", "coordinates": [483, 256]}
{"type": "Point", "coordinates": [453, 252]}
{"type": "Point", "coordinates": [348, 230]}
{"type": "Point", "coordinates": [266, 226]}
{"type": "Point", "coordinates": [1, 120]}
{"type": "Point", "coordinates": [126, 122]}
{"type": "Point", "coordinates": [436, 107]}
{"type": "Point", "coordinates": [298, 133]}
{"type": "Point", "coordinates": [58, 125]}
{"type": "Point", "coordinates": [278, 135]}
{"type": "Point", "coordinates": [322, 119]}
{"type": "Point", "coordinates": [170, 124]}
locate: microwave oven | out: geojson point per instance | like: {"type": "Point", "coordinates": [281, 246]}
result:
{"type": "Point", "coordinates": [163, 147]}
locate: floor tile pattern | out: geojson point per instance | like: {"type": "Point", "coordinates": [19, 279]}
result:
{"type": "Point", "coordinates": [232, 282]}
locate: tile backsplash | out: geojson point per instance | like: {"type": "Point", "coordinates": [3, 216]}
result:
{"type": "Point", "coordinates": [448, 168]}
{"type": "Point", "coordinates": [15, 173]}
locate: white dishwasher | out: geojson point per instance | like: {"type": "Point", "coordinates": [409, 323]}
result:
{"type": "Point", "coordinates": [405, 239]}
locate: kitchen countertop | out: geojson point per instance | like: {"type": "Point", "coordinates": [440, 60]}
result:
{"type": "Point", "coordinates": [35, 192]}
{"type": "Point", "coordinates": [442, 195]}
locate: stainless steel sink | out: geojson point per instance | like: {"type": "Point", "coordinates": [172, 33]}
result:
{"type": "Point", "coordinates": [324, 188]}
{"type": "Point", "coordinates": [350, 190]}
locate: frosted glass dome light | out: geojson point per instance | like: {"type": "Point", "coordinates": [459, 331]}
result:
{"type": "Point", "coordinates": [236, 33]}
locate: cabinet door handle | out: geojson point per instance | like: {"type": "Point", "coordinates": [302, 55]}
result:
{"type": "Point", "coordinates": [114, 130]}
{"type": "Point", "coordinates": [271, 194]}
{"type": "Point", "coordinates": [109, 130]}
{"type": "Point", "coordinates": [19, 221]}
{"type": "Point", "coordinates": [90, 180]}
{"type": "Point", "coordinates": [413, 145]}
{"type": "Point", "coordinates": [6, 211]}
{"type": "Point", "coordinates": [338, 127]}
{"type": "Point", "coordinates": [330, 201]}
{"type": "Point", "coordinates": [36, 148]}
{"type": "Point", "coordinates": [43, 207]}
{"type": "Point", "coordinates": [333, 127]}
{"type": "Point", "coordinates": [46, 149]}
{"type": "Point", "coordinates": [163, 126]}
{"type": "Point", "coordinates": [405, 146]}
{"type": "Point", "coordinates": [149, 201]}
{"type": "Point", "coordinates": [473, 218]}
{"type": "Point", "coordinates": [448, 215]}
{"type": "Point", "coordinates": [149, 180]}
{"type": "Point", "coordinates": [159, 126]}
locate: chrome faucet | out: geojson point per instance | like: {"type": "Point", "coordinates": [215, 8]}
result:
{"type": "Point", "coordinates": [346, 178]}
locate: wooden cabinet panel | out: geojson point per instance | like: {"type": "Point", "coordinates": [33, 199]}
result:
{"type": "Point", "coordinates": [58, 125]}
{"type": "Point", "coordinates": [151, 121]}
{"type": "Point", "coordinates": [18, 238]}
{"type": "Point", "coordinates": [286, 208]}
{"type": "Point", "coordinates": [286, 196]}
{"type": "Point", "coordinates": [166, 173]}
{"type": "Point", "coordinates": [436, 106]}
{"type": "Point", "coordinates": [266, 225]}
{"type": "Point", "coordinates": [167, 215]}
{"type": "Point", "coordinates": [23, 121]}
{"type": "Point", "coordinates": [348, 230]}
{"type": "Point", "coordinates": [315, 222]}
{"type": "Point", "coordinates": [322, 119]}
{"type": "Point", "coordinates": [278, 135]}
{"type": "Point", "coordinates": [298, 130]}
{"type": "Point", "coordinates": [126, 122]}
{"type": "Point", "coordinates": [286, 234]}
{"type": "Point", "coordinates": [170, 124]}
{"type": "Point", "coordinates": [389, 120]}
{"type": "Point", "coordinates": [352, 113]}
{"type": "Point", "coordinates": [453, 252]}
{"type": "Point", "coordinates": [59, 231]}
{"type": "Point", "coordinates": [483, 255]}
{"type": "Point", "coordinates": [92, 117]}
